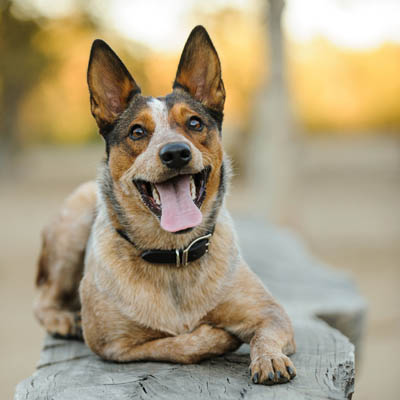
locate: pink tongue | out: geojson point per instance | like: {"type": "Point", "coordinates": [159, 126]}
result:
{"type": "Point", "coordinates": [178, 210]}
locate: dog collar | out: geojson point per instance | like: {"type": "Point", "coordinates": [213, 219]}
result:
{"type": "Point", "coordinates": [179, 257]}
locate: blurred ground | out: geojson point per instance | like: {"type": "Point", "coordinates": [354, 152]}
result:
{"type": "Point", "coordinates": [346, 209]}
{"type": "Point", "coordinates": [349, 213]}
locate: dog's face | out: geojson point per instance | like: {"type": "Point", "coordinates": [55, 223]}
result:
{"type": "Point", "coordinates": [164, 154]}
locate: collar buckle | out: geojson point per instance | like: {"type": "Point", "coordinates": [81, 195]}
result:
{"type": "Point", "coordinates": [183, 261]}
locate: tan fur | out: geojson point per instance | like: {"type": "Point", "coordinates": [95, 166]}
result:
{"type": "Point", "coordinates": [60, 267]}
{"type": "Point", "coordinates": [134, 310]}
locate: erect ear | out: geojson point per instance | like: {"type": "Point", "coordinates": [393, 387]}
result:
{"type": "Point", "coordinates": [111, 86]}
{"type": "Point", "coordinates": [199, 70]}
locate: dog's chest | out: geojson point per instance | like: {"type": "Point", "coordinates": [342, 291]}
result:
{"type": "Point", "coordinates": [172, 311]}
{"type": "Point", "coordinates": [173, 305]}
{"type": "Point", "coordinates": [172, 301]}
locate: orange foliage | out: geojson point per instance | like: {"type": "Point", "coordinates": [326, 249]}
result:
{"type": "Point", "coordinates": [343, 90]}
{"type": "Point", "coordinates": [57, 109]}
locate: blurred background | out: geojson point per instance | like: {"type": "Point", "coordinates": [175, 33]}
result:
{"type": "Point", "coordinates": [312, 125]}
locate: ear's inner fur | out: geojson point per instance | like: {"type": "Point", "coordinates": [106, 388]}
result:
{"type": "Point", "coordinates": [111, 86]}
{"type": "Point", "coordinates": [199, 71]}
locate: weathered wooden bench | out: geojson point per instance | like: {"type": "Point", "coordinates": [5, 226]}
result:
{"type": "Point", "coordinates": [325, 309]}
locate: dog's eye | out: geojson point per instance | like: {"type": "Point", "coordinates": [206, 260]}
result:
{"type": "Point", "coordinates": [195, 124]}
{"type": "Point", "coordinates": [137, 132]}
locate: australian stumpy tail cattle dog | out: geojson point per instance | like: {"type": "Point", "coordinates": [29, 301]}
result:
{"type": "Point", "coordinates": [145, 262]}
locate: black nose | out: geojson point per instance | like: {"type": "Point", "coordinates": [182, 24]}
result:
{"type": "Point", "coordinates": [175, 155]}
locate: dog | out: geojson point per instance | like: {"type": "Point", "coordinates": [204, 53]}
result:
{"type": "Point", "coordinates": [145, 262]}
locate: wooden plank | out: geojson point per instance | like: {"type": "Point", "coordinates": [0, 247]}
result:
{"type": "Point", "coordinates": [304, 285]}
{"type": "Point", "coordinates": [324, 359]}
{"type": "Point", "coordinates": [69, 370]}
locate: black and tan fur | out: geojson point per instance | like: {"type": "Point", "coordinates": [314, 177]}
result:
{"type": "Point", "coordinates": [131, 309]}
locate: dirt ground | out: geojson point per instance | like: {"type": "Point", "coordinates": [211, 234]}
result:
{"type": "Point", "coordinates": [348, 216]}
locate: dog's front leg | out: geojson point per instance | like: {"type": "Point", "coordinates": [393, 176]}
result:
{"type": "Point", "coordinates": [204, 342]}
{"type": "Point", "coordinates": [250, 312]}
{"type": "Point", "coordinates": [269, 347]}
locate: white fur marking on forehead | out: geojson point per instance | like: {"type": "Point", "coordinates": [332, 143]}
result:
{"type": "Point", "coordinates": [159, 112]}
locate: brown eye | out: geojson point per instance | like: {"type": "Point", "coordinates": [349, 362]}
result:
{"type": "Point", "coordinates": [195, 124]}
{"type": "Point", "coordinates": [137, 132]}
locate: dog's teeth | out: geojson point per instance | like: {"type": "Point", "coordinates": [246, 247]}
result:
{"type": "Point", "coordinates": [192, 188]}
{"type": "Point", "coordinates": [155, 195]}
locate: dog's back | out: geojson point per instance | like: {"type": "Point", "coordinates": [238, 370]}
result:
{"type": "Point", "coordinates": [61, 262]}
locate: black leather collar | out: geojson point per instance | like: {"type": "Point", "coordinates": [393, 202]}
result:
{"type": "Point", "coordinates": [179, 257]}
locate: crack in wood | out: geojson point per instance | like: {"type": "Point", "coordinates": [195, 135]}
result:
{"type": "Point", "coordinates": [62, 361]}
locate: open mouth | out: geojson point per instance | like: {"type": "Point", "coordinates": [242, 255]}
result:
{"type": "Point", "coordinates": [176, 201]}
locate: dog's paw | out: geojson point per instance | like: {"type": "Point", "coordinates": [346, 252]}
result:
{"type": "Point", "coordinates": [63, 323]}
{"type": "Point", "coordinates": [269, 369]}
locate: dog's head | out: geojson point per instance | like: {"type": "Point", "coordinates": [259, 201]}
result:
{"type": "Point", "coordinates": [164, 155]}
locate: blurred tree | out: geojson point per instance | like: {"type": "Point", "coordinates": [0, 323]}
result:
{"type": "Point", "coordinates": [21, 65]}
{"type": "Point", "coordinates": [62, 91]}
{"type": "Point", "coordinates": [271, 171]}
